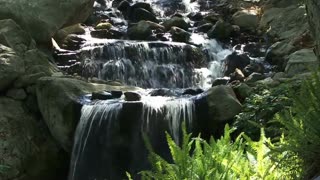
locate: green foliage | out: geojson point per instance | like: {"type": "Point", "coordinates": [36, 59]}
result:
{"type": "Point", "coordinates": [302, 127]}
{"type": "Point", "coordinates": [223, 159]}
{"type": "Point", "coordinates": [260, 108]}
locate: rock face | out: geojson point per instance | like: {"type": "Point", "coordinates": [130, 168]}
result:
{"type": "Point", "coordinates": [301, 61]}
{"type": "Point", "coordinates": [246, 20]}
{"type": "Point", "coordinates": [11, 67]}
{"type": "Point", "coordinates": [26, 147]}
{"type": "Point", "coordinates": [60, 106]}
{"type": "Point", "coordinates": [43, 18]}
{"type": "Point", "coordinates": [313, 7]}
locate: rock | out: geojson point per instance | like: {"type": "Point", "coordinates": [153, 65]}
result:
{"type": "Point", "coordinates": [312, 8]}
{"type": "Point", "coordinates": [50, 15]}
{"type": "Point", "coordinates": [246, 19]}
{"type": "Point", "coordinates": [279, 75]}
{"type": "Point", "coordinates": [162, 92]}
{"type": "Point", "coordinates": [116, 94]}
{"type": "Point", "coordinates": [11, 35]}
{"type": "Point", "coordinates": [234, 61]}
{"type": "Point", "coordinates": [143, 29]}
{"type": "Point", "coordinates": [179, 35]}
{"type": "Point", "coordinates": [16, 94]}
{"type": "Point", "coordinates": [257, 67]}
{"type": "Point", "coordinates": [301, 61]}
{"type": "Point", "coordinates": [72, 42]}
{"type": "Point", "coordinates": [195, 16]}
{"type": "Point", "coordinates": [26, 145]}
{"type": "Point", "coordinates": [254, 77]}
{"type": "Point", "coordinates": [237, 75]}
{"type": "Point", "coordinates": [221, 30]}
{"type": "Point", "coordinates": [220, 81]}
{"type": "Point", "coordinates": [242, 91]}
{"type": "Point", "coordinates": [123, 6]}
{"type": "Point", "coordinates": [204, 27]}
{"type": "Point", "coordinates": [64, 32]}
{"type": "Point", "coordinates": [254, 50]}
{"type": "Point", "coordinates": [192, 92]}
{"type": "Point", "coordinates": [61, 110]}
{"type": "Point", "coordinates": [286, 23]}
{"type": "Point", "coordinates": [101, 96]}
{"type": "Point", "coordinates": [177, 22]}
{"type": "Point", "coordinates": [223, 103]}
{"type": "Point", "coordinates": [102, 34]}
{"type": "Point", "coordinates": [12, 66]}
{"type": "Point", "coordinates": [139, 14]}
{"type": "Point", "coordinates": [277, 52]}
{"type": "Point", "coordinates": [103, 25]}
{"type": "Point", "coordinates": [143, 5]}
{"type": "Point", "coordinates": [132, 96]}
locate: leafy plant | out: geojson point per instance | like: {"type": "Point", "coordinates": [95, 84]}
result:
{"type": "Point", "coordinates": [302, 127]}
{"type": "Point", "coordinates": [219, 159]}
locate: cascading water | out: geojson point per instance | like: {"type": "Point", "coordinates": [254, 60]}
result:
{"type": "Point", "coordinates": [109, 137]}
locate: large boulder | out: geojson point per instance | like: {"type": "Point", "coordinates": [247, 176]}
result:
{"type": "Point", "coordinates": [11, 67]}
{"type": "Point", "coordinates": [302, 61]}
{"type": "Point", "coordinates": [223, 103]}
{"type": "Point", "coordinates": [26, 147]}
{"type": "Point", "coordinates": [13, 36]}
{"type": "Point", "coordinates": [246, 19]}
{"type": "Point", "coordinates": [221, 30]}
{"type": "Point", "coordinates": [177, 22]}
{"type": "Point", "coordinates": [143, 30]}
{"type": "Point", "coordinates": [43, 18]}
{"type": "Point", "coordinates": [60, 104]}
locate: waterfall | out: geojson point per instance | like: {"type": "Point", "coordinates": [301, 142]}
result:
{"type": "Point", "coordinates": [107, 128]}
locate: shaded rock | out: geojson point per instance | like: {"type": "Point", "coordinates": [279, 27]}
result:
{"type": "Point", "coordinates": [162, 92]}
{"type": "Point", "coordinates": [50, 15]}
{"type": "Point", "coordinates": [220, 81]}
{"type": "Point", "coordinates": [16, 94]}
{"type": "Point", "coordinates": [221, 30]}
{"type": "Point", "coordinates": [26, 145]}
{"type": "Point", "coordinates": [312, 8]}
{"type": "Point", "coordinates": [234, 61]}
{"type": "Point", "coordinates": [179, 35]}
{"type": "Point", "coordinates": [11, 35]}
{"type": "Point", "coordinates": [204, 27]}
{"type": "Point", "coordinates": [302, 61]}
{"type": "Point", "coordinates": [142, 30]}
{"type": "Point", "coordinates": [177, 22]}
{"type": "Point", "coordinates": [143, 5]}
{"type": "Point", "coordinates": [254, 77]}
{"type": "Point", "coordinates": [242, 91]}
{"type": "Point", "coordinates": [61, 110]}
{"type": "Point", "coordinates": [237, 75]}
{"type": "Point", "coordinates": [72, 42]}
{"type": "Point", "coordinates": [139, 14]}
{"type": "Point", "coordinates": [132, 96]}
{"type": "Point", "coordinates": [116, 94]}
{"type": "Point", "coordinates": [223, 103]}
{"type": "Point", "coordinates": [63, 33]}
{"type": "Point", "coordinates": [246, 19]}
{"type": "Point", "coordinates": [12, 67]}
{"type": "Point", "coordinates": [123, 6]}
{"type": "Point", "coordinates": [192, 92]}
{"type": "Point", "coordinates": [253, 67]}
{"type": "Point", "coordinates": [101, 96]}
{"type": "Point", "coordinates": [102, 34]}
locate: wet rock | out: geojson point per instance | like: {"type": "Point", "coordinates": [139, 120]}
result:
{"type": "Point", "coordinates": [254, 77]}
{"type": "Point", "coordinates": [139, 14]}
{"type": "Point", "coordinates": [212, 18]}
{"type": "Point", "coordinates": [162, 92]}
{"type": "Point", "coordinates": [177, 22]}
{"type": "Point", "coordinates": [142, 5]}
{"type": "Point", "coordinates": [277, 53]}
{"type": "Point", "coordinates": [11, 67]}
{"type": "Point", "coordinates": [123, 6]}
{"type": "Point", "coordinates": [246, 19]}
{"type": "Point", "coordinates": [253, 67]}
{"type": "Point", "coordinates": [302, 61]}
{"type": "Point", "coordinates": [16, 94]}
{"type": "Point", "coordinates": [142, 30]}
{"type": "Point", "coordinates": [234, 61]}
{"type": "Point", "coordinates": [101, 96]}
{"type": "Point", "coordinates": [220, 81]}
{"type": "Point", "coordinates": [221, 30]}
{"type": "Point", "coordinates": [223, 103]}
{"type": "Point", "coordinates": [103, 26]}
{"type": "Point", "coordinates": [179, 35]}
{"type": "Point", "coordinates": [116, 94]}
{"type": "Point", "coordinates": [195, 16]}
{"type": "Point", "coordinates": [192, 92]}
{"type": "Point", "coordinates": [204, 28]}
{"type": "Point", "coordinates": [132, 96]}
{"type": "Point", "coordinates": [254, 50]}
{"type": "Point", "coordinates": [72, 42]}
{"type": "Point", "coordinates": [54, 15]}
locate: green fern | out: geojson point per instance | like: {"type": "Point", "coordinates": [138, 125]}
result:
{"type": "Point", "coordinates": [221, 159]}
